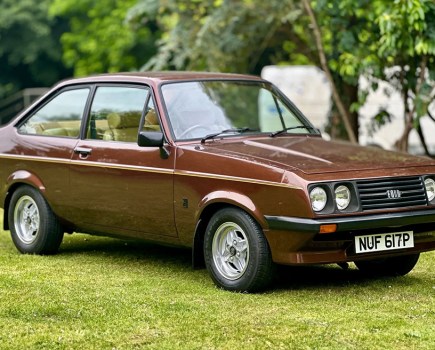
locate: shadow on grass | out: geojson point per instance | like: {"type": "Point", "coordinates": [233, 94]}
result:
{"type": "Point", "coordinates": [127, 250]}
{"type": "Point", "coordinates": [331, 276]}
{"type": "Point", "coordinates": [180, 259]}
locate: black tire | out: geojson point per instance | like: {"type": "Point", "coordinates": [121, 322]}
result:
{"type": "Point", "coordinates": [34, 227]}
{"type": "Point", "coordinates": [395, 266]}
{"type": "Point", "coordinates": [236, 252]}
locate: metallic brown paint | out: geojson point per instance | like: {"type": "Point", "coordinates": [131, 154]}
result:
{"type": "Point", "coordinates": [122, 189]}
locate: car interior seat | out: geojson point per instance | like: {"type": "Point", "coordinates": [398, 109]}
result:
{"type": "Point", "coordinates": [122, 126]}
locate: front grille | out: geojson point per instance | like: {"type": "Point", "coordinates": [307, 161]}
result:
{"type": "Point", "coordinates": [391, 193]}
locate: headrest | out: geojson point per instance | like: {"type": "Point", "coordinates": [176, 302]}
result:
{"type": "Point", "coordinates": [151, 118]}
{"type": "Point", "coordinates": [123, 120]}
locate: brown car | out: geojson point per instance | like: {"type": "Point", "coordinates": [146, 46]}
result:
{"type": "Point", "coordinates": [224, 164]}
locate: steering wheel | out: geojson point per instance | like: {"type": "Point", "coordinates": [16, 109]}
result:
{"type": "Point", "coordinates": [190, 129]}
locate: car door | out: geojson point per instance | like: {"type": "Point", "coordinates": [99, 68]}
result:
{"type": "Point", "coordinates": [44, 145]}
{"type": "Point", "coordinates": [119, 187]}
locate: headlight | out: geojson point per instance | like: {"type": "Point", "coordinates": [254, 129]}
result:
{"type": "Point", "coordinates": [429, 183]}
{"type": "Point", "coordinates": [318, 198]}
{"type": "Point", "coordinates": [342, 197]}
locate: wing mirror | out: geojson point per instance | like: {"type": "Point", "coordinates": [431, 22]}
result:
{"type": "Point", "coordinates": [153, 139]}
{"type": "Point", "coordinates": [150, 139]}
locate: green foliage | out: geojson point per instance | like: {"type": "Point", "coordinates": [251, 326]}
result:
{"type": "Point", "coordinates": [100, 40]}
{"type": "Point", "coordinates": [407, 28]}
{"type": "Point", "coordinates": [393, 41]}
{"type": "Point", "coordinates": [29, 49]}
{"type": "Point", "coordinates": [236, 36]}
{"type": "Point", "coordinates": [349, 37]}
{"type": "Point", "coordinates": [407, 42]}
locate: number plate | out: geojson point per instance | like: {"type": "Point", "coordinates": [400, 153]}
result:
{"type": "Point", "coordinates": [384, 241]}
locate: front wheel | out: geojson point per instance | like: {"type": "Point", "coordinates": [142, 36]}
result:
{"type": "Point", "coordinates": [394, 266]}
{"type": "Point", "coordinates": [236, 252]}
{"type": "Point", "coordinates": [34, 227]}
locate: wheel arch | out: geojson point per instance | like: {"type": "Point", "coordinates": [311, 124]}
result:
{"type": "Point", "coordinates": [212, 204]}
{"type": "Point", "coordinates": [16, 180]}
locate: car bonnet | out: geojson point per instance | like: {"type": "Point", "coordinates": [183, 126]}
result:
{"type": "Point", "coordinates": [313, 155]}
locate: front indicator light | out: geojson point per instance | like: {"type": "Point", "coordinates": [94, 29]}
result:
{"type": "Point", "coordinates": [342, 197]}
{"type": "Point", "coordinates": [318, 198]}
{"type": "Point", "coordinates": [429, 183]}
{"type": "Point", "coordinates": [329, 228]}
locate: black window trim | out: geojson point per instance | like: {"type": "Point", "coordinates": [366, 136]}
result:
{"type": "Point", "coordinates": [95, 86]}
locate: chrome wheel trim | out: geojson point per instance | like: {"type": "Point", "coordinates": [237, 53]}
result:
{"type": "Point", "coordinates": [26, 219]}
{"type": "Point", "coordinates": [230, 250]}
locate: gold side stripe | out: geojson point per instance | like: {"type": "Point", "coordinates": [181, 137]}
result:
{"type": "Point", "coordinates": [147, 169]}
{"type": "Point", "coordinates": [35, 158]}
{"type": "Point", "coordinates": [88, 163]}
{"type": "Point", "coordinates": [234, 178]}
{"type": "Point", "coordinates": [123, 167]}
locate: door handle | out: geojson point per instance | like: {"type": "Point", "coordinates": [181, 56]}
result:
{"type": "Point", "coordinates": [83, 151]}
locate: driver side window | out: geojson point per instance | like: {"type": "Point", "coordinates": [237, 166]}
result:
{"type": "Point", "coordinates": [116, 112]}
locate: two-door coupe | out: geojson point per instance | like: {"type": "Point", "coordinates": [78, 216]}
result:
{"type": "Point", "coordinates": [224, 164]}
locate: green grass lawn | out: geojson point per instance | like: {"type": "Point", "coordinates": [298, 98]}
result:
{"type": "Point", "coordinates": [102, 293]}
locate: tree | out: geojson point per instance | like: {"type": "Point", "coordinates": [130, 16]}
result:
{"type": "Point", "coordinates": [344, 113]}
{"type": "Point", "coordinates": [222, 35]}
{"type": "Point", "coordinates": [407, 47]}
{"type": "Point", "coordinates": [30, 54]}
{"type": "Point", "coordinates": [243, 36]}
{"type": "Point", "coordinates": [348, 38]}
{"type": "Point", "coordinates": [100, 40]}
{"type": "Point", "coordinates": [381, 40]}
{"type": "Point", "coordinates": [386, 40]}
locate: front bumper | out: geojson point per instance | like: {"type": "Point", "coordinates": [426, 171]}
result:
{"type": "Point", "coordinates": [298, 241]}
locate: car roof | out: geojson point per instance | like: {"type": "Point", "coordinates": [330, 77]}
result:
{"type": "Point", "coordinates": [158, 77]}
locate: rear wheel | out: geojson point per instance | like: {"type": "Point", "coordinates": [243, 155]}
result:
{"type": "Point", "coordinates": [395, 266]}
{"type": "Point", "coordinates": [34, 227]}
{"type": "Point", "coordinates": [236, 252]}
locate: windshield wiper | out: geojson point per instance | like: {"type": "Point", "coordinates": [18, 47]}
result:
{"type": "Point", "coordinates": [235, 130]}
{"type": "Point", "coordinates": [291, 128]}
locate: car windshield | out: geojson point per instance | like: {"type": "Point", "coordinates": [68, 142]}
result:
{"type": "Point", "coordinates": [198, 110]}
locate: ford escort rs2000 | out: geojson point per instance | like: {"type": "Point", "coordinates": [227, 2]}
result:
{"type": "Point", "coordinates": [222, 163]}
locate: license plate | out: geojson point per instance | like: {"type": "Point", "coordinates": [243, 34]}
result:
{"type": "Point", "coordinates": [384, 241]}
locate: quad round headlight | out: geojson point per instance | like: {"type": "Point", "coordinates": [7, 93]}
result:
{"type": "Point", "coordinates": [318, 198]}
{"type": "Point", "coordinates": [342, 197]}
{"type": "Point", "coordinates": [429, 183]}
